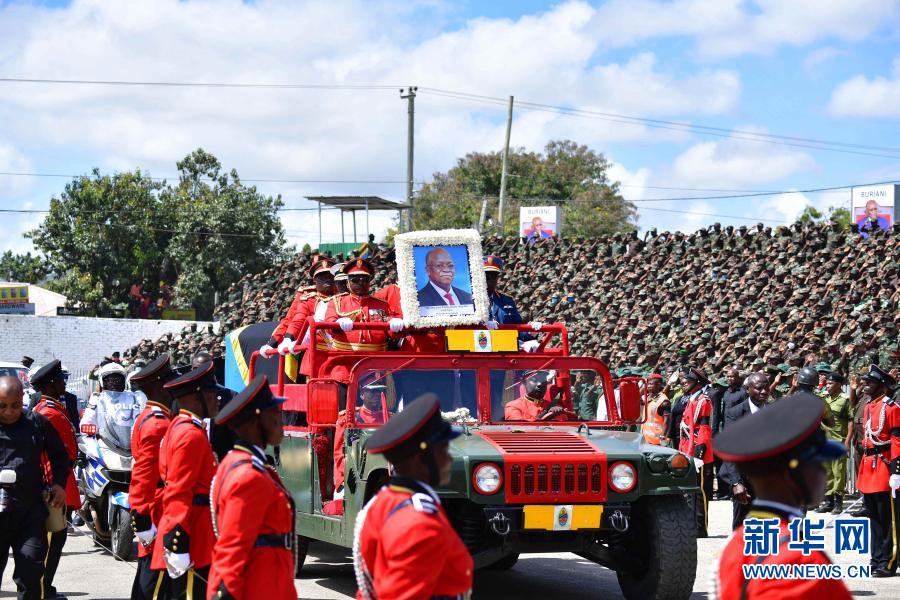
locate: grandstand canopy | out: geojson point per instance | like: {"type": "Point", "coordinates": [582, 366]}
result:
{"type": "Point", "coordinates": [352, 204]}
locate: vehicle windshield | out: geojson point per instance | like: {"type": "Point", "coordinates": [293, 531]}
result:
{"type": "Point", "coordinates": [382, 393]}
{"type": "Point", "coordinates": [116, 414]}
{"type": "Point", "coordinates": [20, 372]}
{"type": "Point", "coordinates": [548, 395]}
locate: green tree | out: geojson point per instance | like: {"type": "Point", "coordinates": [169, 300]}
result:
{"type": "Point", "coordinates": [101, 233]}
{"type": "Point", "coordinates": [840, 215]}
{"type": "Point", "coordinates": [202, 234]}
{"type": "Point", "coordinates": [22, 268]}
{"type": "Point", "coordinates": [810, 214]}
{"type": "Point", "coordinates": [566, 174]}
{"type": "Point", "coordinates": [223, 230]}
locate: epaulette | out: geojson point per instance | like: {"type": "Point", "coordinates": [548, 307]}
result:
{"type": "Point", "coordinates": [197, 422]}
{"type": "Point", "coordinates": [258, 464]}
{"type": "Point", "coordinates": [424, 503]}
{"type": "Point", "coordinates": [307, 293]}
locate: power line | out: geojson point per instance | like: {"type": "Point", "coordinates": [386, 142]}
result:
{"type": "Point", "coordinates": [752, 136]}
{"type": "Point", "coordinates": [254, 180]}
{"type": "Point", "coordinates": [796, 141]}
{"type": "Point", "coordinates": [202, 84]}
{"type": "Point", "coordinates": [706, 214]}
{"type": "Point", "coordinates": [758, 194]}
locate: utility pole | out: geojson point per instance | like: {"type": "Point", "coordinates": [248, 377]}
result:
{"type": "Point", "coordinates": [503, 171]}
{"type": "Point", "coordinates": [409, 94]}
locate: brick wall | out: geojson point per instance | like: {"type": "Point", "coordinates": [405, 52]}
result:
{"type": "Point", "coordinates": [79, 342]}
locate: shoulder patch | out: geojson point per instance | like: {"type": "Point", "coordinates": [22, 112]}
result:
{"type": "Point", "coordinates": [424, 503]}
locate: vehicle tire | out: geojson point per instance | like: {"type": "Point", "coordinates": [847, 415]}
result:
{"type": "Point", "coordinates": [302, 549]}
{"type": "Point", "coordinates": [506, 563]}
{"type": "Point", "coordinates": [661, 544]}
{"type": "Point", "coordinates": [122, 535]}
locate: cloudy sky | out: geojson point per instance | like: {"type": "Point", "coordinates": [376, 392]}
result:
{"type": "Point", "coordinates": [825, 70]}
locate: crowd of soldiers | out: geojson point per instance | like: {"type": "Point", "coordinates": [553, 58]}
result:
{"type": "Point", "coordinates": [806, 294]}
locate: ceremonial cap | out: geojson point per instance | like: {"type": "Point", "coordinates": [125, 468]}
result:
{"type": "Point", "coordinates": [253, 399]}
{"type": "Point", "coordinates": [338, 271]}
{"type": "Point", "coordinates": [779, 437]}
{"type": "Point", "coordinates": [47, 374]}
{"type": "Point", "coordinates": [493, 263]}
{"type": "Point", "coordinates": [323, 265]}
{"type": "Point", "coordinates": [654, 376]}
{"type": "Point", "coordinates": [159, 369]}
{"type": "Point", "coordinates": [415, 428]}
{"type": "Point", "coordinates": [695, 374]}
{"type": "Point", "coordinates": [879, 375]}
{"type": "Point", "coordinates": [193, 381]}
{"type": "Point", "coordinates": [358, 266]}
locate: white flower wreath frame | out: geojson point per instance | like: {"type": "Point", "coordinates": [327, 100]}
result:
{"type": "Point", "coordinates": [406, 276]}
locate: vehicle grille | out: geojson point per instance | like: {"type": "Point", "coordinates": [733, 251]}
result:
{"type": "Point", "coordinates": [550, 467]}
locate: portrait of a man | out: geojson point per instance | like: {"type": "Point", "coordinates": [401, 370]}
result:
{"type": "Point", "coordinates": [440, 289]}
{"type": "Point", "coordinates": [873, 217]}
{"type": "Point", "coordinates": [537, 230]}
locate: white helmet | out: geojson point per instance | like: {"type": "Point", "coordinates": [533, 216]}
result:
{"type": "Point", "coordinates": [110, 369]}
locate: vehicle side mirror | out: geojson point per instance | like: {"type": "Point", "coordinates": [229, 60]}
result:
{"type": "Point", "coordinates": [630, 400]}
{"type": "Point", "coordinates": [323, 403]}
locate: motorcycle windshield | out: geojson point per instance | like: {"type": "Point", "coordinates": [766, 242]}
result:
{"type": "Point", "coordinates": [117, 412]}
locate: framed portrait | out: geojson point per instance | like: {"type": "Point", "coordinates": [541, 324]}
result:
{"type": "Point", "coordinates": [441, 278]}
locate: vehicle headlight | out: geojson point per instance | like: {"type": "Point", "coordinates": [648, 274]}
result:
{"type": "Point", "coordinates": [487, 479]}
{"type": "Point", "coordinates": [622, 477]}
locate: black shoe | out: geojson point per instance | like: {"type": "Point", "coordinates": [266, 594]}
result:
{"type": "Point", "coordinates": [77, 521]}
{"type": "Point", "coordinates": [825, 507]}
{"type": "Point", "coordinates": [838, 505]}
{"type": "Point", "coordinates": [860, 512]}
{"type": "Point", "coordinates": [882, 573]}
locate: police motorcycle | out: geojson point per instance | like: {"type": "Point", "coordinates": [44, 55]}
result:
{"type": "Point", "coordinates": [103, 469]}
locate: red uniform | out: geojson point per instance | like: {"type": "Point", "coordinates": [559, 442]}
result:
{"type": "Point", "coordinates": [254, 516]}
{"type": "Point", "coordinates": [307, 308]}
{"type": "Point", "coordinates": [359, 309]}
{"type": "Point", "coordinates": [696, 433]}
{"type": "Point", "coordinates": [55, 412]}
{"type": "Point", "coordinates": [298, 304]}
{"type": "Point", "coordinates": [881, 417]}
{"type": "Point", "coordinates": [186, 467]}
{"type": "Point", "coordinates": [390, 294]}
{"type": "Point", "coordinates": [363, 415]}
{"type": "Point", "coordinates": [146, 437]}
{"type": "Point", "coordinates": [728, 581]}
{"type": "Point", "coordinates": [406, 547]}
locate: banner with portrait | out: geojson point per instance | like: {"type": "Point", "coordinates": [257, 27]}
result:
{"type": "Point", "coordinates": [540, 222]}
{"type": "Point", "coordinates": [874, 207]}
{"type": "Point", "coordinates": [441, 278]}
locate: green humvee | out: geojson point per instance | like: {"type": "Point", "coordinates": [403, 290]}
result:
{"type": "Point", "coordinates": [563, 482]}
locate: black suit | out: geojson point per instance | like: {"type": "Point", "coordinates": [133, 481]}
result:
{"type": "Point", "coordinates": [728, 472]}
{"type": "Point", "coordinates": [428, 296]}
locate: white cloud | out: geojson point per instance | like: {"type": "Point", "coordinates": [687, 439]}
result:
{"type": "Point", "coordinates": [318, 134]}
{"type": "Point", "coordinates": [865, 97]}
{"type": "Point", "coordinates": [731, 163]}
{"type": "Point", "coordinates": [723, 28]}
{"type": "Point", "coordinates": [13, 161]}
{"type": "Point", "coordinates": [821, 56]}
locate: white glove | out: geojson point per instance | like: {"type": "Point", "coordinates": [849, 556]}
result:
{"type": "Point", "coordinates": [346, 324]}
{"type": "Point", "coordinates": [894, 483]}
{"type": "Point", "coordinates": [267, 351]}
{"type": "Point", "coordinates": [698, 464]}
{"type": "Point", "coordinates": [673, 378]}
{"type": "Point", "coordinates": [177, 564]}
{"type": "Point", "coordinates": [492, 325]}
{"type": "Point", "coordinates": [395, 325]}
{"type": "Point", "coordinates": [530, 345]}
{"type": "Point", "coordinates": [536, 325]}
{"type": "Point", "coordinates": [286, 346]}
{"type": "Point", "coordinates": [146, 537]}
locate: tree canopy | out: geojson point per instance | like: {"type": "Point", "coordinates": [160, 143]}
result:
{"type": "Point", "coordinates": [22, 268]}
{"type": "Point", "coordinates": [202, 234]}
{"type": "Point", "coordinates": [566, 174]}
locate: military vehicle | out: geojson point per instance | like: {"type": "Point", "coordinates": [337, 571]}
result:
{"type": "Point", "coordinates": [561, 481]}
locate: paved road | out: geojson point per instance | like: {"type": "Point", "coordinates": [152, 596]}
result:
{"type": "Point", "coordinates": [86, 572]}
